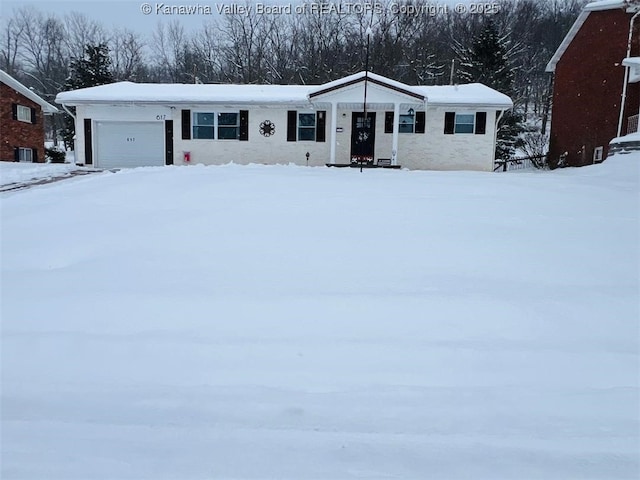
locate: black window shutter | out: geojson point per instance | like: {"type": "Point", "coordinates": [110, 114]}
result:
{"type": "Point", "coordinates": [34, 158]}
{"type": "Point", "coordinates": [420, 122]}
{"type": "Point", "coordinates": [321, 126]}
{"type": "Point", "coordinates": [88, 145]}
{"type": "Point", "coordinates": [34, 116]}
{"type": "Point", "coordinates": [481, 123]}
{"type": "Point", "coordinates": [168, 142]}
{"type": "Point", "coordinates": [449, 122]}
{"type": "Point", "coordinates": [14, 111]}
{"type": "Point", "coordinates": [186, 124]}
{"type": "Point", "coordinates": [244, 125]}
{"type": "Point", "coordinates": [16, 154]}
{"type": "Point", "coordinates": [388, 122]}
{"type": "Point", "coordinates": [292, 125]}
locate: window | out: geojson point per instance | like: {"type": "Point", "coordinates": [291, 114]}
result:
{"type": "Point", "coordinates": [23, 114]}
{"type": "Point", "coordinates": [409, 123]}
{"type": "Point", "coordinates": [25, 155]}
{"type": "Point", "coordinates": [406, 124]}
{"type": "Point", "coordinates": [464, 123]}
{"type": "Point", "coordinates": [228, 126]}
{"type": "Point", "coordinates": [204, 125]}
{"type": "Point", "coordinates": [598, 153]}
{"type": "Point", "coordinates": [307, 126]}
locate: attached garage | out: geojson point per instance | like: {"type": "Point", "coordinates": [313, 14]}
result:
{"type": "Point", "coordinates": [128, 144]}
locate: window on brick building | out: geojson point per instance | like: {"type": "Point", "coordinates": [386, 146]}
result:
{"type": "Point", "coordinates": [24, 154]}
{"type": "Point", "coordinates": [23, 114]}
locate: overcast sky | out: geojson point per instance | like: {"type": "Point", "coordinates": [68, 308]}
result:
{"type": "Point", "coordinates": [128, 13]}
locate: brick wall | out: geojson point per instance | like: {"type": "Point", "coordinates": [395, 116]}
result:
{"type": "Point", "coordinates": [14, 133]}
{"type": "Point", "coordinates": [588, 86]}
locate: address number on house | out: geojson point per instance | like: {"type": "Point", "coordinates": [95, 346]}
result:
{"type": "Point", "coordinates": [161, 117]}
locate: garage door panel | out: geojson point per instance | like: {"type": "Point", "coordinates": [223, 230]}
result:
{"type": "Point", "coordinates": [129, 144]}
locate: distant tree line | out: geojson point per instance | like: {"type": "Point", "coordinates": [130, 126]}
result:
{"type": "Point", "coordinates": [507, 50]}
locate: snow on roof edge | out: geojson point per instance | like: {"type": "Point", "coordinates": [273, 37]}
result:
{"type": "Point", "coordinates": [633, 5]}
{"type": "Point", "coordinates": [22, 89]}
{"type": "Point", "coordinates": [128, 92]}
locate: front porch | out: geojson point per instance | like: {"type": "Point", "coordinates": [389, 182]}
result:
{"type": "Point", "coordinates": [366, 133]}
{"type": "Point", "coordinates": [380, 163]}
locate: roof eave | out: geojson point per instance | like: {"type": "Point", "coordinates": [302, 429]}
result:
{"type": "Point", "coordinates": [369, 78]}
{"type": "Point", "coordinates": [14, 84]}
{"type": "Point", "coordinates": [475, 105]}
{"type": "Point", "coordinates": [551, 66]}
{"type": "Point", "coordinates": [79, 102]}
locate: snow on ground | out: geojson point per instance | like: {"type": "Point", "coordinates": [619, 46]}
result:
{"type": "Point", "coordinates": [312, 323]}
{"type": "Point", "coordinates": [14, 172]}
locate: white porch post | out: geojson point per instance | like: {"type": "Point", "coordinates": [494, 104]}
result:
{"type": "Point", "coordinates": [396, 129]}
{"type": "Point", "coordinates": [334, 122]}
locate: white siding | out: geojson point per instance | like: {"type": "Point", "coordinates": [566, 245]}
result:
{"type": "Point", "coordinates": [258, 149]}
{"type": "Point", "coordinates": [432, 150]}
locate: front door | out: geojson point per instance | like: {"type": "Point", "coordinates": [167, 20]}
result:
{"type": "Point", "coordinates": [363, 134]}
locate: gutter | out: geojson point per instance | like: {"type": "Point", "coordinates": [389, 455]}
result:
{"type": "Point", "coordinates": [64, 107]}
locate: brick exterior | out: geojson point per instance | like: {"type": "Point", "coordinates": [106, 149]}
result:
{"type": "Point", "coordinates": [588, 86]}
{"type": "Point", "coordinates": [14, 133]}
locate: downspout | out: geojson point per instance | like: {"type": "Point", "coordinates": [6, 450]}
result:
{"type": "Point", "coordinates": [64, 107]}
{"type": "Point", "coordinates": [495, 139]}
{"type": "Point", "coordinates": [626, 75]}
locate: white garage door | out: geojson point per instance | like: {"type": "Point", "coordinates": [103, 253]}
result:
{"type": "Point", "coordinates": [129, 144]}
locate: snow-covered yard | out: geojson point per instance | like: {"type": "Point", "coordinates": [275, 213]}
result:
{"type": "Point", "coordinates": [296, 323]}
{"type": "Point", "coordinates": [21, 173]}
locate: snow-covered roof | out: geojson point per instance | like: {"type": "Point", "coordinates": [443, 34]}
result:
{"type": "Point", "coordinates": [20, 88]}
{"type": "Point", "coordinates": [631, 6]}
{"type": "Point", "coordinates": [471, 93]}
{"type": "Point", "coordinates": [185, 93]}
{"type": "Point", "coordinates": [128, 92]}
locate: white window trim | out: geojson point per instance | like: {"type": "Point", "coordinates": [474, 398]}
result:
{"type": "Point", "coordinates": [455, 122]}
{"type": "Point", "coordinates": [236, 126]}
{"type": "Point", "coordinates": [25, 152]}
{"type": "Point", "coordinates": [23, 114]}
{"type": "Point", "coordinates": [413, 123]}
{"type": "Point", "coordinates": [598, 153]}
{"type": "Point", "coordinates": [216, 114]}
{"type": "Point", "coordinates": [298, 127]}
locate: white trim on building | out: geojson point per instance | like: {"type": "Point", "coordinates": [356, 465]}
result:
{"type": "Point", "coordinates": [8, 80]}
{"type": "Point", "coordinates": [631, 6]}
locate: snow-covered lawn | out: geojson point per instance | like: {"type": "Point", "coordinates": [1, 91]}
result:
{"type": "Point", "coordinates": [12, 172]}
{"type": "Point", "coordinates": [296, 323]}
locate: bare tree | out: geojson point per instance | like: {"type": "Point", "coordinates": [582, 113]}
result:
{"type": "Point", "coordinates": [41, 49]}
{"type": "Point", "coordinates": [12, 30]}
{"type": "Point", "coordinates": [81, 31]}
{"type": "Point", "coordinates": [127, 55]}
{"type": "Point", "coordinates": [169, 45]}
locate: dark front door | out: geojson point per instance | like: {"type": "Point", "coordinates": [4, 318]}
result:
{"type": "Point", "coordinates": [363, 135]}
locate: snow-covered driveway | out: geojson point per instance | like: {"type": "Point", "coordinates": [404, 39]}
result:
{"type": "Point", "coordinates": [287, 322]}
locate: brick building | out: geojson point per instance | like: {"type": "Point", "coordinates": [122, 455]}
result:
{"type": "Point", "coordinates": [589, 77]}
{"type": "Point", "coordinates": [21, 122]}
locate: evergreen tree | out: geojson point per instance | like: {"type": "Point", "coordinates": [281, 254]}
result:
{"type": "Point", "coordinates": [489, 60]}
{"type": "Point", "coordinates": [89, 71]}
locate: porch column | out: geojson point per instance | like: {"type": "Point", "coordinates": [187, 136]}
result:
{"type": "Point", "coordinates": [396, 129]}
{"type": "Point", "coordinates": [334, 122]}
